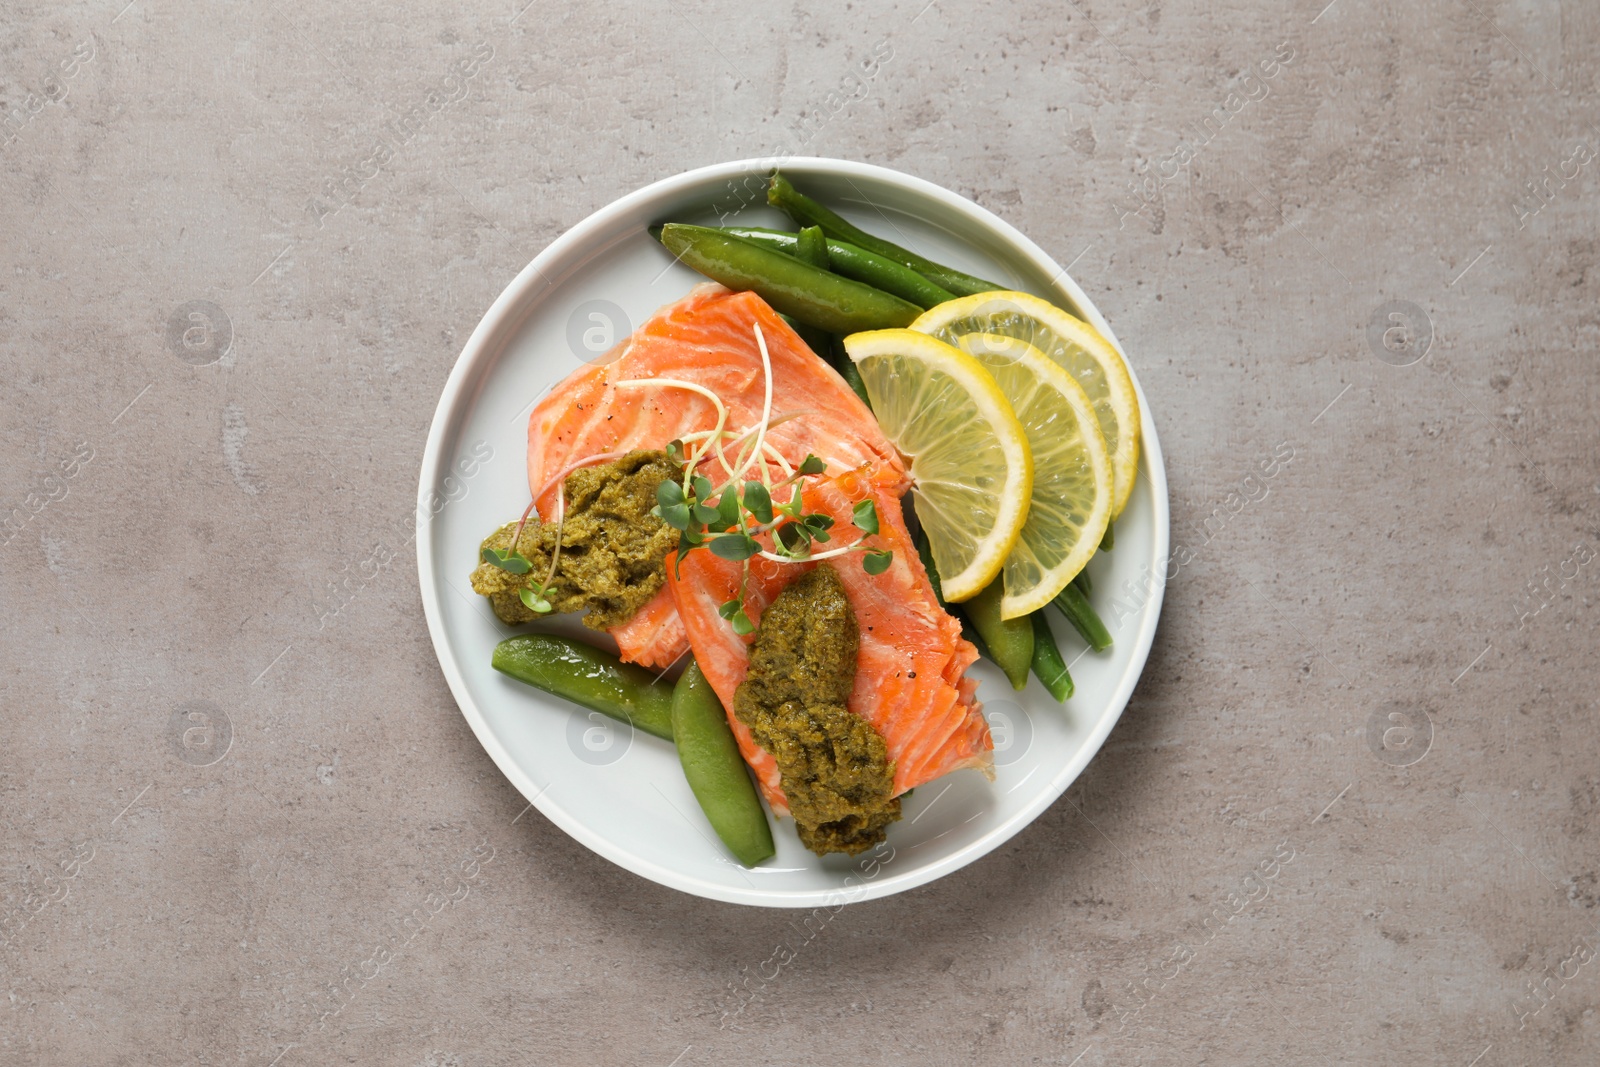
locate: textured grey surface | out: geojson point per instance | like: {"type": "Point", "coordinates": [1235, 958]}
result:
{"type": "Point", "coordinates": [1421, 573]}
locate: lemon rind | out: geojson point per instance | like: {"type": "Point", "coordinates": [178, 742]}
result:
{"type": "Point", "coordinates": [1015, 605]}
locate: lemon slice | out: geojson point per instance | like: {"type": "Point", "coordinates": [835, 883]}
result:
{"type": "Point", "coordinates": [1071, 342]}
{"type": "Point", "coordinates": [970, 465]}
{"type": "Point", "coordinates": [1071, 470]}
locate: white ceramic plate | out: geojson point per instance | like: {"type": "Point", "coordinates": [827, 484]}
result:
{"type": "Point", "coordinates": [624, 795]}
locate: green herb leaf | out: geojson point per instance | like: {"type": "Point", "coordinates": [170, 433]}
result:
{"type": "Point", "coordinates": [876, 562]}
{"type": "Point", "coordinates": [676, 516]}
{"type": "Point", "coordinates": [794, 538]}
{"type": "Point", "coordinates": [741, 623]}
{"type": "Point", "coordinates": [694, 535]}
{"type": "Point", "coordinates": [534, 598]}
{"type": "Point", "coordinates": [731, 608]}
{"type": "Point", "coordinates": [734, 546]}
{"type": "Point", "coordinates": [818, 521]}
{"type": "Point", "coordinates": [812, 465]}
{"type": "Point", "coordinates": [702, 486]}
{"type": "Point", "coordinates": [865, 516]}
{"type": "Point", "coordinates": [728, 509]}
{"type": "Point", "coordinates": [668, 494]}
{"type": "Point", "coordinates": [705, 514]}
{"type": "Point", "coordinates": [758, 501]}
{"type": "Point", "coordinates": [674, 452]}
{"type": "Point", "coordinates": [508, 561]}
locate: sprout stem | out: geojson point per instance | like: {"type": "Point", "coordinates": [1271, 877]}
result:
{"type": "Point", "coordinates": [832, 553]}
{"type": "Point", "coordinates": [516, 535]}
{"type": "Point", "coordinates": [766, 409]}
{"type": "Point", "coordinates": [561, 523]}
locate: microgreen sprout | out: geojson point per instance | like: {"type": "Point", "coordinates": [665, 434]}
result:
{"type": "Point", "coordinates": [876, 562]}
{"type": "Point", "coordinates": [733, 611]}
{"type": "Point", "coordinates": [729, 519]}
{"type": "Point", "coordinates": [865, 516]}
{"type": "Point", "coordinates": [535, 597]}
{"type": "Point", "coordinates": [508, 560]}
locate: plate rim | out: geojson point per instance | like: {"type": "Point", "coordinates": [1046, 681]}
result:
{"type": "Point", "coordinates": [504, 315]}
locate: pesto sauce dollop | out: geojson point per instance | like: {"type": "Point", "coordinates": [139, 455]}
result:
{"type": "Point", "coordinates": [836, 769]}
{"type": "Point", "coordinates": [612, 548]}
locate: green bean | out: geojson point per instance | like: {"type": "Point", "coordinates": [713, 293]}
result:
{"type": "Point", "coordinates": [855, 262]}
{"type": "Point", "coordinates": [812, 295]}
{"type": "Point", "coordinates": [588, 677]}
{"type": "Point", "coordinates": [852, 376]}
{"type": "Point", "coordinates": [847, 369]}
{"type": "Point", "coordinates": [925, 552]}
{"type": "Point", "coordinates": [837, 357]}
{"type": "Point", "coordinates": [1047, 662]}
{"type": "Point", "coordinates": [815, 339]}
{"type": "Point", "coordinates": [1109, 541]}
{"type": "Point", "coordinates": [715, 770]}
{"type": "Point", "coordinates": [807, 212]}
{"type": "Point", "coordinates": [1010, 641]}
{"type": "Point", "coordinates": [1081, 614]}
{"type": "Point", "coordinates": [1082, 582]}
{"type": "Point", "coordinates": [813, 250]}
{"type": "Point", "coordinates": [811, 246]}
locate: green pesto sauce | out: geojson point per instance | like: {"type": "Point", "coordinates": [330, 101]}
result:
{"type": "Point", "coordinates": [612, 548]}
{"type": "Point", "coordinates": [836, 770]}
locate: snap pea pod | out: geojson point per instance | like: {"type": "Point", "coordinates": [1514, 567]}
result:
{"type": "Point", "coordinates": [588, 677]}
{"type": "Point", "coordinates": [812, 295]}
{"type": "Point", "coordinates": [805, 211]}
{"type": "Point", "coordinates": [715, 770]}
{"type": "Point", "coordinates": [811, 247]}
{"type": "Point", "coordinates": [847, 369]}
{"type": "Point", "coordinates": [1010, 641]}
{"type": "Point", "coordinates": [1048, 665]}
{"type": "Point", "coordinates": [1081, 614]}
{"type": "Point", "coordinates": [855, 262]}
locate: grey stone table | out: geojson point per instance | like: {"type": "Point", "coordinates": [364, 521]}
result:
{"type": "Point", "coordinates": [1350, 814]}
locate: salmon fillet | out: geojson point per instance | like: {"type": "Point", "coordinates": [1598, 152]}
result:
{"type": "Point", "coordinates": [654, 637]}
{"type": "Point", "coordinates": [910, 675]}
{"type": "Point", "coordinates": [910, 681]}
{"type": "Point", "coordinates": [705, 338]}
